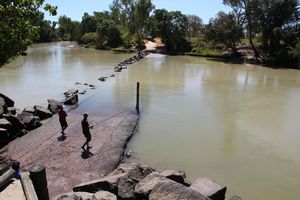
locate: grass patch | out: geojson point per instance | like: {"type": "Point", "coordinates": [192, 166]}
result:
{"type": "Point", "coordinates": [206, 53]}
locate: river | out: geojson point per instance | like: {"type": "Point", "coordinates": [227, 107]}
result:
{"type": "Point", "coordinates": [235, 123]}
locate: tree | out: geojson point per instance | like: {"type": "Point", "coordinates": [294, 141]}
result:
{"type": "Point", "coordinates": [225, 29]}
{"type": "Point", "coordinates": [88, 24]}
{"type": "Point", "coordinates": [245, 11]}
{"type": "Point", "coordinates": [133, 14]}
{"type": "Point", "coordinates": [195, 25]}
{"type": "Point", "coordinates": [172, 27]}
{"type": "Point", "coordinates": [17, 31]}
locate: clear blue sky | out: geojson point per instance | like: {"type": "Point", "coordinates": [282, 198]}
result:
{"type": "Point", "coordinates": [74, 9]}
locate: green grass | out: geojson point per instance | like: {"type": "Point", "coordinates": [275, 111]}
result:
{"type": "Point", "coordinates": [206, 53]}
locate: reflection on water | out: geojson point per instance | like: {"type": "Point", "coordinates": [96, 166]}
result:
{"type": "Point", "coordinates": [238, 124]}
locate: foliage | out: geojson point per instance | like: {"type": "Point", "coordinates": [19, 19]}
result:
{"type": "Point", "coordinates": [225, 29]}
{"type": "Point", "coordinates": [208, 52]}
{"type": "Point", "coordinates": [89, 38]}
{"type": "Point", "coordinates": [108, 33]}
{"type": "Point", "coordinates": [88, 24]}
{"type": "Point", "coordinates": [195, 25]}
{"type": "Point", "coordinates": [133, 15]}
{"type": "Point", "coordinates": [172, 27]}
{"type": "Point", "coordinates": [17, 31]}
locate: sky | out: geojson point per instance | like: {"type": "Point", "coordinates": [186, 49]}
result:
{"type": "Point", "coordinates": [74, 9]}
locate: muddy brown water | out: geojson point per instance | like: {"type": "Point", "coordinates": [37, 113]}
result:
{"type": "Point", "coordinates": [235, 123]}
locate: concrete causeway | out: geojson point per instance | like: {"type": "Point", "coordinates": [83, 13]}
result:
{"type": "Point", "coordinates": [66, 164]}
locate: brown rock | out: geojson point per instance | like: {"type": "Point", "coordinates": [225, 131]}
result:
{"type": "Point", "coordinates": [177, 176]}
{"type": "Point", "coordinates": [9, 102]}
{"type": "Point", "coordinates": [108, 183]}
{"type": "Point", "coordinates": [29, 110]}
{"type": "Point", "coordinates": [209, 188]}
{"type": "Point", "coordinates": [53, 105]}
{"type": "Point", "coordinates": [74, 196]}
{"type": "Point", "coordinates": [41, 112]}
{"type": "Point", "coordinates": [104, 195]}
{"type": "Point", "coordinates": [169, 189]}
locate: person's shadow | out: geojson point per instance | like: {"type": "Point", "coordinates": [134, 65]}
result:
{"type": "Point", "coordinates": [86, 154]}
{"type": "Point", "coordinates": [61, 138]}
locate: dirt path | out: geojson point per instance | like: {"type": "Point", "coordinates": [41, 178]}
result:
{"type": "Point", "coordinates": [66, 164]}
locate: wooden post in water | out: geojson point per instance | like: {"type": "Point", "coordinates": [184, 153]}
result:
{"type": "Point", "coordinates": [39, 180]}
{"type": "Point", "coordinates": [137, 107]}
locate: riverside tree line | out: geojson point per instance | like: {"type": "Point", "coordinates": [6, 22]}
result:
{"type": "Point", "coordinates": [270, 28]}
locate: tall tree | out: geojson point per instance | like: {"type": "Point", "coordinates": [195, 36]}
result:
{"type": "Point", "coordinates": [88, 24]}
{"type": "Point", "coordinates": [172, 27]}
{"type": "Point", "coordinates": [245, 9]}
{"type": "Point", "coordinates": [134, 14]}
{"type": "Point", "coordinates": [17, 31]}
{"type": "Point", "coordinates": [195, 25]}
{"type": "Point", "coordinates": [225, 29]}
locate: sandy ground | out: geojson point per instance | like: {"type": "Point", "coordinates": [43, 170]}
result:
{"type": "Point", "coordinates": [66, 163]}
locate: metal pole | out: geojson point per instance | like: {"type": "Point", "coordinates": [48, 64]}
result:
{"type": "Point", "coordinates": [137, 107]}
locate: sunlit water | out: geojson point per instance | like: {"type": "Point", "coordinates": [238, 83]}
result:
{"type": "Point", "coordinates": [238, 124]}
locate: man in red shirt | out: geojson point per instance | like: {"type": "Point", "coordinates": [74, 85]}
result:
{"type": "Point", "coordinates": [63, 120]}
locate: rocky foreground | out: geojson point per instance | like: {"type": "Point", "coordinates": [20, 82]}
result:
{"type": "Point", "coordinates": [66, 164]}
{"type": "Point", "coordinates": [135, 181]}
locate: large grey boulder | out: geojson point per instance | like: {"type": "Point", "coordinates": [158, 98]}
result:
{"type": "Point", "coordinates": [104, 195]}
{"type": "Point", "coordinates": [177, 176]}
{"type": "Point", "coordinates": [133, 171]}
{"type": "Point", "coordinates": [9, 102]}
{"type": "Point", "coordinates": [30, 121]}
{"type": "Point", "coordinates": [70, 92]}
{"type": "Point", "coordinates": [108, 183]}
{"type": "Point", "coordinates": [146, 185]}
{"type": "Point", "coordinates": [5, 124]}
{"type": "Point", "coordinates": [16, 122]}
{"type": "Point", "coordinates": [126, 188]}
{"type": "Point", "coordinates": [74, 196]}
{"type": "Point", "coordinates": [209, 188]}
{"type": "Point", "coordinates": [53, 105]}
{"type": "Point", "coordinates": [71, 97]}
{"type": "Point", "coordinates": [41, 112]}
{"type": "Point", "coordinates": [169, 189]}
{"type": "Point", "coordinates": [12, 110]}
{"type": "Point", "coordinates": [29, 109]}
{"type": "Point", "coordinates": [4, 137]}
{"type": "Point", "coordinates": [4, 167]}
{"type": "Point", "coordinates": [3, 106]}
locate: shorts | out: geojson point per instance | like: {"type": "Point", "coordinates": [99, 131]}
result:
{"type": "Point", "coordinates": [88, 137]}
{"type": "Point", "coordinates": [63, 123]}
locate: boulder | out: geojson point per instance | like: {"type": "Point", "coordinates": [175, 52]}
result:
{"type": "Point", "coordinates": [235, 197]}
{"type": "Point", "coordinates": [9, 102]}
{"type": "Point", "coordinates": [4, 167]}
{"type": "Point", "coordinates": [29, 110]}
{"type": "Point", "coordinates": [169, 189]}
{"type": "Point", "coordinates": [12, 110]}
{"type": "Point", "coordinates": [177, 176]}
{"type": "Point", "coordinates": [71, 92]}
{"type": "Point", "coordinates": [1, 110]}
{"type": "Point", "coordinates": [71, 99]}
{"type": "Point", "coordinates": [104, 195]}
{"type": "Point", "coordinates": [53, 105]}
{"type": "Point", "coordinates": [146, 185]}
{"type": "Point", "coordinates": [108, 183]}
{"type": "Point", "coordinates": [74, 196]}
{"type": "Point", "coordinates": [4, 137]}
{"type": "Point", "coordinates": [102, 78]}
{"type": "Point", "coordinates": [16, 122]}
{"type": "Point", "coordinates": [3, 106]}
{"type": "Point", "coordinates": [4, 123]}
{"type": "Point", "coordinates": [41, 112]}
{"type": "Point", "coordinates": [30, 121]}
{"type": "Point", "coordinates": [209, 188]}
{"type": "Point", "coordinates": [126, 188]}
{"type": "Point", "coordinates": [133, 171]}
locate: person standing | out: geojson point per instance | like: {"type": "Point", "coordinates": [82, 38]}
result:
{"type": "Point", "coordinates": [63, 120]}
{"type": "Point", "coordinates": [86, 132]}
